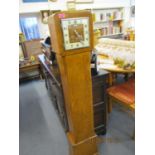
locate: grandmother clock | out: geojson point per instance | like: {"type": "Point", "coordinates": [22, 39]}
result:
{"type": "Point", "coordinates": [71, 35]}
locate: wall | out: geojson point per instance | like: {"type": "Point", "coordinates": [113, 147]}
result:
{"type": "Point", "coordinates": [36, 7]}
{"type": "Point", "coordinates": [33, 9]}
{"type": "Point", "coordinates": [61, 4]}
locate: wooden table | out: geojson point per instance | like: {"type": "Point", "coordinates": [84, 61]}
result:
{"type": "Point", "coordinates": [29, 68]}
{"type": "Point", "coordinates": [116, 70]}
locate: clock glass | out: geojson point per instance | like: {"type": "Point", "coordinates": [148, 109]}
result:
{"type": "Point", "coordinates": [75, 32]}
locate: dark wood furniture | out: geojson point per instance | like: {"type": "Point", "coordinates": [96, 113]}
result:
{"type": "Point", "coordinates": [99, 86]}
{"type": "Point", "coordinates": [54, 86]}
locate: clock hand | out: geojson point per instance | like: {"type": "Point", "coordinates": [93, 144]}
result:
{"type": "Point", "coordinates": [79, 36]}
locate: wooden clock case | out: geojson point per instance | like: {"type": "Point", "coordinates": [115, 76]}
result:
{"type": "Point", "coordinates": [74, 66]}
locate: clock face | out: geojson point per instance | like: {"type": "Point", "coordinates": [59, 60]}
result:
{"type": "Point", "coordinates": [75, 32]}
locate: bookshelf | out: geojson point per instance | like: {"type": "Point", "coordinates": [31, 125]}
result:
{"type": "Point", "coordinates": [109, 21]}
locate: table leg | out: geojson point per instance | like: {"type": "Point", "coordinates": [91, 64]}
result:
{"type": "Point", "coordinates": [111, 82]}
{"type": "Point", "coordinates": [126, 76]}
{"type": "Point", "coordinates": [41, 72]}
{"type": "Point", "coordinates": [110, 79]}
{"type": "Point", "coordinates": [41, 76]}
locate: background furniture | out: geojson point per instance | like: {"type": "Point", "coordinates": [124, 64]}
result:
{"type": "Point", "coordinates": [109, 21]}
{"type": "Point", "coordinates": [28, 68]}
{"type": "Point", "coordinates": [112, 49]}
{"type": "Point", "coordinates": [114, 71]}
{"type": "Point", "coordinates": [116, 56]}
{"type": "Point", "coordinates": [33, 48]}
{"type": "Point", "coordinates": [29, 71]}
{"type": "Point", "coordinates": [116, 48]}
{"type": "Point", "coordinates": [123, 94]}
{"type": "Point", "coordinates": [54, 86]}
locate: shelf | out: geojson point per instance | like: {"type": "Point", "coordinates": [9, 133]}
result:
{"type": "Point", "coordinates": [108, 8]}
{"type": "Point", "coordinates": [110, 35]}
{"type": "Point", "coordinates": [105, 21]}
{"type": "Point", "coordinates": [117, 19]}
{"type": "Point", "coordinates": [109, 21]}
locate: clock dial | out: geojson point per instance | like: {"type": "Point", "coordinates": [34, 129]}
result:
{"type": "Point", "coordinates": [75, 32]}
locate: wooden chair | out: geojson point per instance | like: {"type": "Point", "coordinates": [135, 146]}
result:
{"type": "Point", "coordinates": [32, 48]}
{"type": "Point", "coordinates": [123, 94]}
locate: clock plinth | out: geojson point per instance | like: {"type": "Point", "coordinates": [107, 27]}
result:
{"type": "Point", "coordinates": [74, 66]}
{"type": "Point", "coordinates": [85, 147]}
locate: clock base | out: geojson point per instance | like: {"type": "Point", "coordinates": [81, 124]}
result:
{"type": "Point", "coordinates": [86, 147]}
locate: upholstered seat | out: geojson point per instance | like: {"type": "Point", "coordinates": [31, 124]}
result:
{"type": "Point", "coordinates": [124, 93]}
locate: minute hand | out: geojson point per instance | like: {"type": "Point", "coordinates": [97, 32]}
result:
{"type": "Point", "coordinates": [79, 36]}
